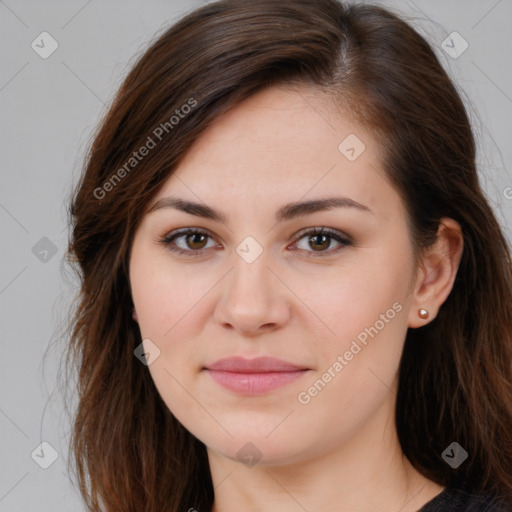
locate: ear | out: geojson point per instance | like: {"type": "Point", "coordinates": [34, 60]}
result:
{"type": "Point", "coordinates": [437, 272]}
{"type": "Point", "coordinates": [134, 315]}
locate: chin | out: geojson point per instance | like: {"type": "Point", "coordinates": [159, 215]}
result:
{"type": "Point", "coordinates": [249, 446]}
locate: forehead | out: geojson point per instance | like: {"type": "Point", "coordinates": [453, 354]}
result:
{"type": "Point", "coordinates": [282, 143]}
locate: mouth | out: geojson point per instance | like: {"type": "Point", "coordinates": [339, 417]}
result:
{"type": "Point", "coordinates": [254, 376]}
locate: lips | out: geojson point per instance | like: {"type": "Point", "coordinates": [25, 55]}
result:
{"type": "Point", "coordinates": [254, 376]}
{"type": "Point", "coordinates": [256, 365]}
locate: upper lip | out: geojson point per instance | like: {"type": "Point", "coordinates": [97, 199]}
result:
{"type": "Point", "coordinates": [256, 365]}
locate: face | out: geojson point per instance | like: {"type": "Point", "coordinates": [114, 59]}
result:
{"type": "Point", "coordinates": [325, 288]}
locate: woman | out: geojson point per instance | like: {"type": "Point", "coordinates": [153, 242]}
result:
{"type": "Point", "coordinates": [294, 293]}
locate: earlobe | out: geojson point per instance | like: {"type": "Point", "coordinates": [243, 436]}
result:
{"type": "Point", "coordinates": [437, 273]}
{"type": "Point", "coordinates": [134, 315]}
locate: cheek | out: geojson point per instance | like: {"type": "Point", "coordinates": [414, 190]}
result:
{"type": "Point", "coordinates": [369, 333]}
{"type": "Point", "coordinates": [168, 302]}
{"type": "Point", "coordinates": [358, 364]}
{"type": "Point", "coordinates": [364, 303]}
{"type": "Point", "coordinates": [161, 292]}
{"type": "Point", "coordinates": [353, 297]}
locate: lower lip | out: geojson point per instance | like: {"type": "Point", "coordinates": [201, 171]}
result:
{"type": "Point", "coordinates": [254, 383]}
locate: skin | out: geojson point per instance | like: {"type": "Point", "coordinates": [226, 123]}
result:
{"type": "Point", "coordinates": [339, 451]}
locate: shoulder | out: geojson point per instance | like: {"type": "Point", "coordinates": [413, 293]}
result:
{"type": "Point", "coordinates": [461, 498]}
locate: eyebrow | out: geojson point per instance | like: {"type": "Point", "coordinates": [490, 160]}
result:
{"type": "Point", "coordinates": [287, 212]}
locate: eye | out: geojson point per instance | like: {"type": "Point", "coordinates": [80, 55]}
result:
{"type": "Point", "coordinates": [320, 239]}
{"type": "Point", "coordinates": [189, 241]}
{"type": "Point", "coordinates": [193, 242]}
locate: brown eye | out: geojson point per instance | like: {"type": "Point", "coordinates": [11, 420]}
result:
{"type": "Point", "coordinates": [196, 240]}
{"type": "Point", "coordinates": [320, 241]}
{"type": "Point", "coordinates": [189, 242]}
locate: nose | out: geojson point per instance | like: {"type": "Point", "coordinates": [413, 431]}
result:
{"type": "Point", "coordinates": [253, 300]}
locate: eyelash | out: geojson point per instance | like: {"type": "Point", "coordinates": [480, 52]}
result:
{"type": "Point", "coordinates": [168, 241]}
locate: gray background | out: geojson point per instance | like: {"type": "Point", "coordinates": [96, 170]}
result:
{"type": "Point", "coordinates": [49, 109]}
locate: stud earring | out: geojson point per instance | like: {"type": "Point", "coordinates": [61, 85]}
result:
{"type": "Point", "coordinates": [423, 313]}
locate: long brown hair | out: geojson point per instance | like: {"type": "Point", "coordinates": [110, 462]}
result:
{"type": "Point", "coordinates": [455, 376]}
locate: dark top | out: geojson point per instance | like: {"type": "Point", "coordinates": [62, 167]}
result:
{"type": "Point", "coordinates": [461, 498]}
